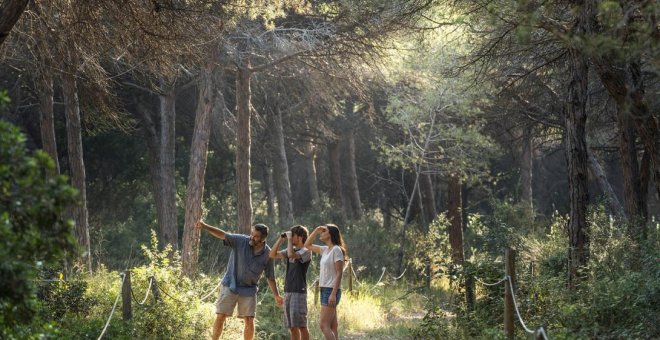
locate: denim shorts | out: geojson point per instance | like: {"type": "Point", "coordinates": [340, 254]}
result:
{"type": "Point", "coordinates": [325, 294]}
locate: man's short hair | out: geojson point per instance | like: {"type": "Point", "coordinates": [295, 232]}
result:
{"type": "Point", "coordinates": [301, 231]}
{"type": "Point", "coordinates": [262, 228]}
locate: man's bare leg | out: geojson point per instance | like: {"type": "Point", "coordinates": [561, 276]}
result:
{"type": "Point", "coordinates": [248, 330]}
{"type": "Point", "coordinates": [218, 326]}
{"type": "Point", "coordinates": [295, 333]}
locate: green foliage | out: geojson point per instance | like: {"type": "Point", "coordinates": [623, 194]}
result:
{"type": "Point", "coordinates": [59, 298]}
{"type": "Point", "coordinates": [81, 308]}
{"type": "Point", "coordinates": [33, 229]}
{"type": "Point", "coordinates": [432, 248]}
{"type": "Point", "coordinates": [436, 324]}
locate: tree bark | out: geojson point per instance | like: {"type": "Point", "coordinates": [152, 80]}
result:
{"type": "Point", "coordinates": [336, 190]}
{"type": "Point", "coordinates": [350, 189]}
{"type": "Point", "coordinates": [281, 171]}
{"type": "Point", "coordinates": [616, 80]}
{"type": "Point", "coordinates": [166, 206]}
{"type": "Point", "coordinates": [310, 169]}
{"type": "Point", "coordinates": [44, 85]}
{"type": "Point", "coordinates": [198, 161]}
{"type": "Point", "coordinates": [576, 149]}
{"type": "Point", "coordinates": [455, 217]}
{"type": "Point", "coordinates": [644, 179]}
{"type": "Point", "coordinates": [404, 229]}
{"type": "Point", "coordinates": [613, 202]}
{"type": "Point", "coordinates": [526, 168]}
{"type": "Point", "coordinates": [646, 123]}
{"type": "Point", "coordinates": [428, 198]}
{"type": "Point", "coordinates": [9, 15]}
{"type": "Point", "coordinates": [243, 141]}
{"type": "Point", "coordinates": [76, 164]}
{"type": "Point", "coordinates": [269, 187]}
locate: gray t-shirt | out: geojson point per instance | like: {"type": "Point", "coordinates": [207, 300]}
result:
{"type": "Point", "coordinates": [296, 271]}
{"type": "Point", "coordinates": [244, 266]}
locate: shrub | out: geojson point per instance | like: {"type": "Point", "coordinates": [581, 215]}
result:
{"type": "Point", "coordinates": [33, 229]}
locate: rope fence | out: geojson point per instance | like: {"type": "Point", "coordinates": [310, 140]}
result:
{"type": "Point", "coordinates": [151, 281]}
{"type": "Point", "coordinates": [155, 289]}
{"type": "Point", "coordinates": [123, 278]}
{"type": "Point", "coordinates": [491, 284]}
{"type": "Point", "coordinates": [510, 302]}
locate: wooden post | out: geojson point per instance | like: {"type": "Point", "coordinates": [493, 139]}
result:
{"type": "Point", "coordinates": [350, 276]}
{"type": "Point", "coordinates": [510, 269]}
{"type": "Point", "coordinates": [126, 296]}
{"type": "Point", "coordinates": [154, 289]}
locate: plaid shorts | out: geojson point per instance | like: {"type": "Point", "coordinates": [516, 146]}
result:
{"type": "Point", "coordinates": [295, 310]}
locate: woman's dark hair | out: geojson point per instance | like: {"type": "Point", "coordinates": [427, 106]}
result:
{"type": "Point", "coordinates": [301, 231]}
{"type": "Point", "coordinates": [336, 238]}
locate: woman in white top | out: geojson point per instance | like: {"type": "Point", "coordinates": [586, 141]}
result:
{"type": "Point", "coordinates": [333, 255]}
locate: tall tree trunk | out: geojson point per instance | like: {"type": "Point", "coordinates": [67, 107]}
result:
{"type": "Point", "coordinates": [44, 85]}
{"type": "Point", "coordinates": [644, 179]}
{"type": "Point", "coordinates": [298, 175]}
{"type": "Point", "coordinates": [198, 159]}
{"type": "Point", "coordinates": [526, 168]}
{"type": "Point", "coordinates": [411, 198]}
{"type": "Point", "coordinates": [310, 168]}
{"type": "Point", "coordinates": [350, 189]}
{"type": "Point", "coordinates": [615, 206]}
{"type": "Point", "coordinates": [634, 200]}
{"type": "Point", "coordinates": [281, 171]}
{"type": "Point", "coordinates": [10, 12]}
{"type": "Point", "coordinates": [150, 130]}
{"type": "Point", "coordinates": [428, 198]}
{"type": "Point", "coordinates": [166, 206]}
{"type": "Point", "coordinates": [469, 279]}
{"type": "Point", "coordinates": [404, 229]}
{"type": "Point", "coordinates": [618, 81]}
{"type": "Point", "coordinates": [243, 141]}
{"type": "Point", "coordinates": [645, 121]}
{"type": "Point", "coordinates": [455, 217]}
{"type": "Point", "coordinates": [269, 187]}
{"type": "Point", "coordinates": [576, 148]}
{"type": "Point", "coordinates": [336, 187]}
{"type": "Point", "coordinates": [384, 207]}
{"type": "Point", "coordinates": [76, 164]}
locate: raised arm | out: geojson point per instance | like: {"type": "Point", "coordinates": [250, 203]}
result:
{"type": "Point", "coordinates": [219, 233]}
{"type": "Point", "coordinates": [274, 251]}
{"type": "Point", "coordinates": [309, 244]}
{"type": "Point", "coordinates": [289, 249]}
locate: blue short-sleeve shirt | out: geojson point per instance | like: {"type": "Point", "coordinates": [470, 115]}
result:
{"type": "Point", "coordinates": [244, 266]}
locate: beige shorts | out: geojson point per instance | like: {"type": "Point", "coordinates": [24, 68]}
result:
{"type": "Point", "coordinates": [228, 300]}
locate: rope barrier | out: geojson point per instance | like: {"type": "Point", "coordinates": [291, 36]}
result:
{"type": "Point", "coordinates": [123, 277]}
{"type": "Point", "coordinates": [400, 276]}
{"type": "Point", "coordinates": [540, 331]}
{"type": "Point", "coordinates": [151, 281]}
{"type": "Point", "coordinates": [211, 292]}
{"type": "Point", "coordinates": [353, 271]}
{"type": "Point", "coordinates": [490, 284]}
{"type": "Point", "coordinates": [166, 293]}
{"type": "Point", "coordinates": [515, 304]}
{"type": "Point", "coordinates": [381, 276]}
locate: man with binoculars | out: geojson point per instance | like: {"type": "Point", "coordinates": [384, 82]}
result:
{"type": "Point", "coordinates": [295, 283]}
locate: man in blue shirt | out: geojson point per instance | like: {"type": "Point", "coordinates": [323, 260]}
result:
{"type": "Point", "coordinates": [248, 259]}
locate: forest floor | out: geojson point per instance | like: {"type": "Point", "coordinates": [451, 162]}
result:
{"type": "Point", "coordinates": [393, 329]}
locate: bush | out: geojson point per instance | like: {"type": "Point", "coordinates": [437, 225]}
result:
{"type": "Point", "coordinates": [178, 314]}
{"type": "Point", "coordinates": [33, 229]}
